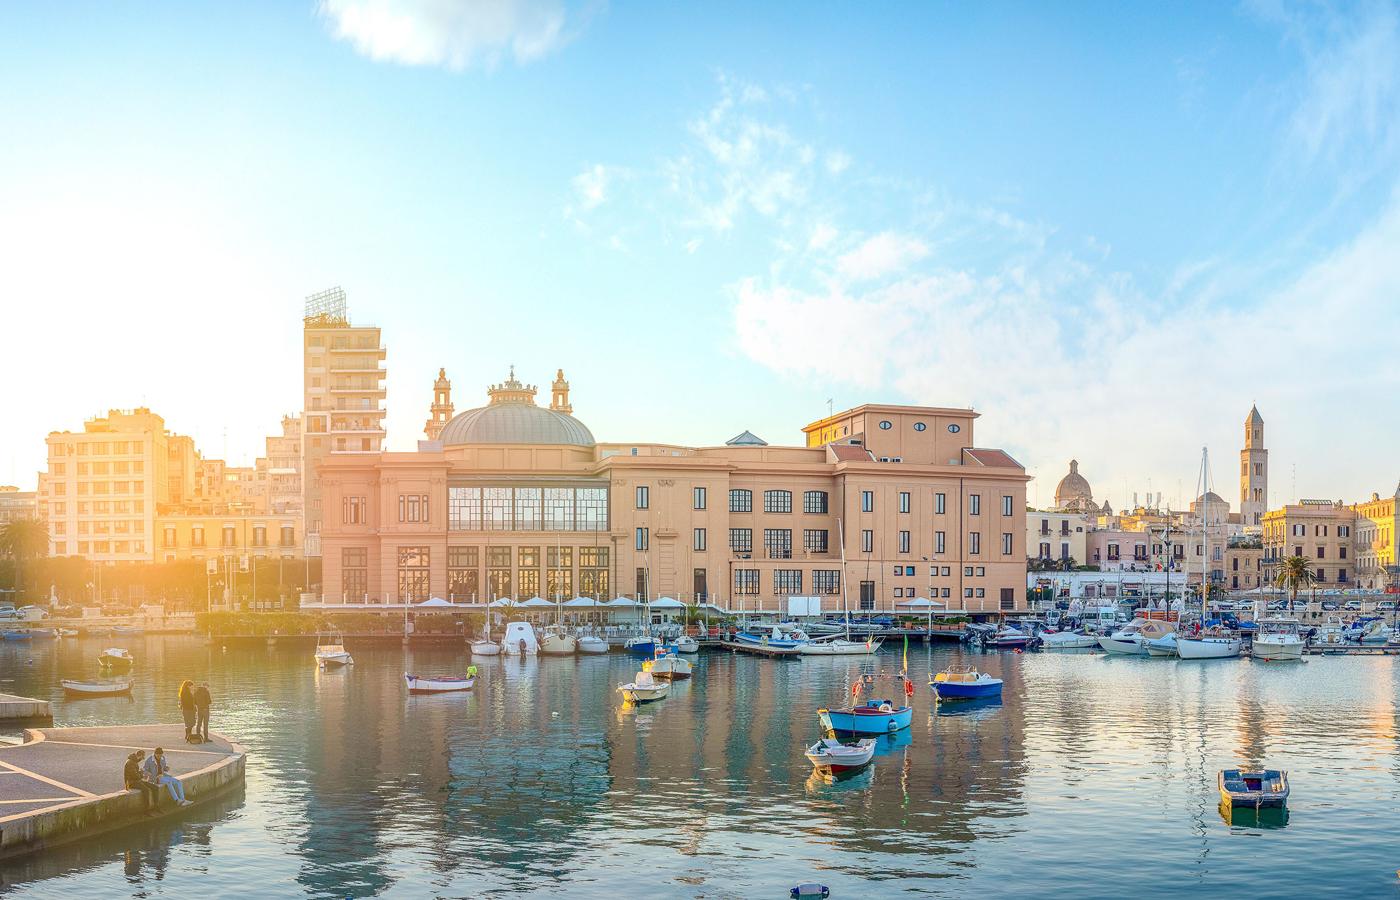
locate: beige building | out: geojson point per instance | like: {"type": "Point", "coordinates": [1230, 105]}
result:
{"type": "Point", "coordinates": [16, 505]}
{"type": "Point", "coordinates": [1058, 536]}
{"type": "Point", "coordinates": [1321, 530]}
{"type": "Point", "coordinates": [518, 500]}
{"type": "Point", "coordinates": [1376, 528]}
{"type": "Point", "coordinates": [343, 385]}
{"type": "Point", "coordinates": [1254, 473]}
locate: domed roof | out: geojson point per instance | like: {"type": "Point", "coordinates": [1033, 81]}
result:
{"type": "Point", "coordinates": [1073, 486]}
{"type": "Point", "coordinates": [1210, 497]}
{"type": "Point", "coordinates": [513, 418]}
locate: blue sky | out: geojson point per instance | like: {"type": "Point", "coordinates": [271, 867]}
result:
{"type": "Point", "coordinates": [1111, 228]}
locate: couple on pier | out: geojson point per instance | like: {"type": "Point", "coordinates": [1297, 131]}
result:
{"type": "Point", "coordinates": [194, 706]}
{"type": "Point", "coordinates": [149, 774]}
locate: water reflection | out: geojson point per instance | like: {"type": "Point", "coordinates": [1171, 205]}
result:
{"type": "Point", "coordinates": [1248, 817]}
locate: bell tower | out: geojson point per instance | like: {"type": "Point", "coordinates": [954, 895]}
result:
{"type": "Point", "coordinates": [1254, 472]}
{"type": "Point", "coordinates": [559, 398]}
{"type": "Point", "coordinates": [441, 410]}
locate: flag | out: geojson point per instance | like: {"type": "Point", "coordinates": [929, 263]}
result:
{"type": "Point", "coordinates": [906, 654]}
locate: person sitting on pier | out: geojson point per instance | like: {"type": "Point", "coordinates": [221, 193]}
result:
{"type": "Point", "coordinates": [157, 771]}
{"type": "Point", "coordinates": [134, 779]}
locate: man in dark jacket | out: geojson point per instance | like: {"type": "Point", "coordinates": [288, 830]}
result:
{"type": "Point", "coordinates": [134, 779]}
{"type": "Point", "coordinates": [202, 701]}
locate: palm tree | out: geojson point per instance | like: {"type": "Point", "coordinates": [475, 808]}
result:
{"type": "Point", "coordinates": [1295, 572]}
{"type": "Point", "coordinates": [22, 540]}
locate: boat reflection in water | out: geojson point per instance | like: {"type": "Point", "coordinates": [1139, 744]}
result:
{"type": "Point", "coordinates": [976, 709]}
{"type": "Point", "coordinates": [826, 783]}
{"type": "Point", "coordinates": [1267, 817]}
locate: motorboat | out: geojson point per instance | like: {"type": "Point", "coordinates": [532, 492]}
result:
{"type": "Point", "coordinates": [964, 683]}
{"type": "Point", "coordinates": [832, 756]}
{"type": "Point", "coordinates": [520, 640]}
{"type": "Point", "coordinates": [591, 643]}
{"type": "Point", "coordinates": [840, 647]}
{"type": "Point", "coordinates": [876, 717]}
{"type": "Point", "coordinates": [115, 659]}
{"type": "Point", "coordinates": [42, 634]}
{"type": "Point", "coordinates": [669, 665]}
{"type": "Point", "coordinates": [644, 688]}
{"type": "Point", "coordinates": [23, 635]}
{"type": "Point", "coordinates": [1367, 630]}
{"type": "Point", "coordinates": [558, 642]}
{"type": "Point", "coordinates": [1254, 789]}
{"type": "Point", "coordinates": [67, 632]}
{"type": "Point", "coordinates": [1162, 646]}
{"type": "Point", "coordinates": [1278, 639]}
{"type": "Point", "coordinates": [1007, 637]}
{"type": "Point", "coordinates": [332, 653]}
{"type": "Point", "coordinates": [687, 644]}
{"type": "Point", "coordinates": [643, 646]}
{"type": "Point", "coordinates": [1330, 632]}
{"type": "Point", "coordinates": [114, 688]}
{"type": "Point", "coordinates": [1067, 640]}
{"type": "Point", "coordinates": [441, 684]}
{"type": "Point", "coordinates": [97, 631]}
{"type": "Point", "coordinates": [777, 636]}
{"type": "Point", "coordinates": [484, 647]}
{"type": "Point", "coordinates": [1130, 639]}
{"type": "Point", "coordinates": [1213, 643]}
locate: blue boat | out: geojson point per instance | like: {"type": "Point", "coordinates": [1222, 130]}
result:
{"type": "Point", "coordinates": [1253, 789]}
{"type": "Point", "coordinates": [964, 683]}
{"type": "Point", "coordinates": [643, 647]}
{"type": "Point", "coordinates": [17, 636]}
{"type": "Point", "coordinates": [875, 717]}
{"type": "Point", "coordinates": [777, 638]}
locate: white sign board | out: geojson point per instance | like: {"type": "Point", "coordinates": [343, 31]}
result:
{"type": "Point", "coordinates": [804, 607]}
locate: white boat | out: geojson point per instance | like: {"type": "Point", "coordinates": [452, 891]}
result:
{"type": "Point", "coordinates": [830, 755]}
{"type": "Point", "coordinates": [840, 647]}
{"type": "Point", "coordinates": [118, 659]}
{"type": "Point", "coordinates": [592, 644]}
{"type": "Point", "coordinates": [332, 654]}
{"type": "Point", "coordinates": [669, 665]}
{"type": "Point", "coordinates": [67, 632]}
{"type": "Point", "coordinates": [440, 685]}
{"type": "Point", "coordinates": [687, 644]}
{"type": "Point", "coordinates": [1162, 646]}
{"type": "Point", "coordinates": [1131, 638]}
{"type": "Point", "coordinates": [644, 688]}
{"type": "Point", "coordinates": [113, 688]}
{"type": "Point", "coordinates": [1278, 639]}
{"type": "Point", "coordinates": [1067, 640]}
{"type": "Point", "coordinates": [1213, 643]}
{"type": "Point", "coordinates": [558, 642]}
{"type": "Point", "coordinates": [520, 640]}
{"type": "Point", "coordinates": [1367, 631]}
{"type": "Point", "coordinates": [485, 647]}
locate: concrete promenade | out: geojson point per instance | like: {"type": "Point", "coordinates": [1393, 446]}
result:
{"type": "Point", "coordinates": [66, 783]}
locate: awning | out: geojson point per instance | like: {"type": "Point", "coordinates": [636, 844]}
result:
{"type": "Point", "coordinates": [921, 603]}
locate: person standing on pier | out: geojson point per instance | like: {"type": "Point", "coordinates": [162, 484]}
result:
{"type": "Point", "coordinates": [202, 702]}
{"type": "Point", "coordinates": [187, 708]}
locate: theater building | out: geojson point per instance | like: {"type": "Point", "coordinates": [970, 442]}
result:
{"type": "Point", "coordinates": [514, 499]}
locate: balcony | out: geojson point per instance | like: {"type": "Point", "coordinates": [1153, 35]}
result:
{"type": "Point", "coordinates": [376, 390]}
{"type": "Point", "coordinates": [367, 351]}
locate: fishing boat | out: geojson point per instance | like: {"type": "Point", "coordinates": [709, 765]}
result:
{"type": "Point", "coordinates": [643, 646]}
{"type": "Point", "coordinates": [484, 647]}
{"type": "Point", "coordinates": [115, 659]}
{"type": "Point", "coordinates": [17, 636]}
{"type": "Point", "coordinates": [644, 688]}
{"type": "Point", "coordinates": [1162, 646]}
{"type": "Point", "coordinates": [438, 685]}
{"type": "Point", "coordinates": [776, 637]}
{"type": "Point", "coordinates": [114, 688]}
{"type": "Point", "coordinates": [831, 756]}
{"type": "Point", "coordinates": [1130, 639]}
{"type": "Point", "coordinates": [332, 653]}
{"type": "Point", "coordinates": [669, 665]}
{"type": "Point", "coordinates": [590, 643]}
{"type": "Point", "coordinates": [558, 642]}
{"type": "Point", "coordinates": [1215, 642]}
{"type": "Point", "coordinates": [520, 640]}
{"type": "Point", "coordinates": [964, 683]}
{"type": "Point", "coordinates": [1278, 639]}
{"type": "Point", "coordinates": [1255, 789]}
{"type": "Point", "coordinates": [1067, 640]}
{"type": "Point", "coordinates": [687, 644]}
{"type": "Point", "coordinates": [876, 717]}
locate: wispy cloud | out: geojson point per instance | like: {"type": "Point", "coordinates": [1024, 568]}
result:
{"type": "Point", "coordinates": [454, 35]}
{"type": "Point", "coordinates": [881, 255]}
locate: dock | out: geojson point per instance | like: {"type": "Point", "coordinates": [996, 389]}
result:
{"type": "Point", "coordinates": [63, 784]}
{"type": "Point", "coordinates": [24, 709]}
{"type": "Point", "coordinates": [760, 650]}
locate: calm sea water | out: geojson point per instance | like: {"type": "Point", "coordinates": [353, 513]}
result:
{"type": "Point", "coordinates": [1094, 778]}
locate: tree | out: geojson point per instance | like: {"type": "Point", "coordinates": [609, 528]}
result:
{"type": "Point", "coordinates": [23, 540]}
{"type": "Point", "coordinates": [1295, 572]}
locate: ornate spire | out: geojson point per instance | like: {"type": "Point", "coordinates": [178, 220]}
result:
{"type": "Point", "coordinates": [441, 411]}
{"type": "Point", "coordinates": [559, 397]}
{"type": "Point", "coordinates": [512, 391]}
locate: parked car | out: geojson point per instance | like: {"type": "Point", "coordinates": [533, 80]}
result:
{"type": "Point", "coordinates": [1352, 606]}
{"type": "Point", "coordinates": [7, 611]}
{"type": "Point", "coordinates": [1330, 605]}
{"type": "Point", "coordinates": [32, 613]}
{"type": "Point", "coordinates": [1300, 604]}
{"type": "Point", "coordinates": [1277, 605]}
{"type": "Point", "coordinates": [1386, 605]}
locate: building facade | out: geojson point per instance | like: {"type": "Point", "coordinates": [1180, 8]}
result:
{"type": "Point", "coordinates": [17, 505]}
{"type": "Point", "coordinates": [1321, 530]}
{"type": "Point", "coordinates": [518, 500]}
{"type": "Point", "coordinates": [1376, 528]}
{"type": "Point", "coordinates": [1254, 472]}
{"type": "Point", "coordinates": [343, 396]}
{"type": "Point", "coordinates": [1054, 536]}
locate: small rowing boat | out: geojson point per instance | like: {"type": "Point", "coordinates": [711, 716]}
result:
{"type": "Point", "coordinates": [418, 684]}
{"type": "Point", "coordinates": [1258, 789]}
{"type": "Point", "coordinates": [114, 688]}
{"type": "Point", "coordinates": [830, 755]}
{"type": "Point", "coordinates": [875, 717]}
{"type": "Point", "coordinates": [115, 659]}
{"type": "Point", "coordinates": [964, 683]}
{"type": "Point", "coordinates": [644, 688]}
{"type": "Point", "coordinates": [669, 665]}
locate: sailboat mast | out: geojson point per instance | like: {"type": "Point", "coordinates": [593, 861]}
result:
{"type": "Point", "coordinates": [845, 609]}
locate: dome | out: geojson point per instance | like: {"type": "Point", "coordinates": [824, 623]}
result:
{"type": "Point", "coordinates": [1073, 487]}
{"type": "Point", "coordinates": [513, 418]}
{"type": "Point", "coordinates": [1210, 497]}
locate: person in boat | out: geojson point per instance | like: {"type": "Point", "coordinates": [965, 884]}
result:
{"type": "Point", "coordinates": [187, 709]}
{"type": "Point", "coordinates": [134, 778]}
{"type": "Point", "coordinates": [157, 772]}
{"type": "Point", "coordinates": [202, 702]}
{"type": "Point", "coordinates": [471, 671]}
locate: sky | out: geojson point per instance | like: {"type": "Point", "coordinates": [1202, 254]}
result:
{"type": "Point", "coordinates": [1110, 228]}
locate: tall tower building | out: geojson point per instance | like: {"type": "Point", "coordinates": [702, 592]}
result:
{"type": "Point", "coordinates": [1254, 472]}
{"type": "Point", "coordinates": [344, 396]}
{"type": "Point", "coordinates": [441, 410]}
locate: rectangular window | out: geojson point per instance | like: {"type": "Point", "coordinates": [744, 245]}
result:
{"type": "Point", "coordinates": [701, 585]}
{"type": "Point", "coordinates": [1007, 504]}
{"type": "Point", "coordinates": [413, 574]}
{"type": "Point", "coordinates": [699, 541]}
{"type": "Point", "coordinates": [643, 496]}
{"type": "Point", "coordinates": [1006, 543]}
{"type": "Point", "coordinates": [740, 500]}
{"type": "Point", "coordinates": [559, 582]}
{"type": "Point", "coordinates": [777, 501]}
{"type": "Point", "coordinates": [288, 536]}
{"type": "Point", "coordinates": [814, 502]}
{"type": "Point", "coordinates": [777, 543]}
{"type": "Point", "coordinates": [463, 579]}
{"type": "Point", "coordinates": [867, 541]}
{"type": "Point", "coordinates": [940, 504]}
{"type": "Point", "coordinates": [741, 540]}
{"type": "Point", "coordinates": [974, 542]}
{"type": "Point", "coordinates": [746, 582]}
{"type": "Point", "coordinates": [904, 542]}
{"type": "Point", "coordinates": [496, 506]}
{"type": "Point", "coordinates": [353, 510]}
{"type": "Point", "coordinates": [413, 507]}
{"type": "Point", "coordinates": [814, 540]}
{"type": "Point", "coordinates": [867, 595]}
{"type": "Point", "coordinates": [940, 542]}
{"type": "Point", "coordinates": [593, 571]}
{"type": "Point", "coordinates": [697, 499]}
{"type": "Point", "coordinates": [498, 581]}
{"type": "Point", "coordinates": [259, 535]}
{"type": "Point", "coordinates": [464, 509]}
{"type": "Point", "coordinates": [354, 573]}
{"type": "Point", "coordinates": [528, 509]}
{"type": "Point", "coordinates": [528, 583]}
{"type": "Point", "coordinates": [643, 539]}
{"type": "Point", "coordinates": [904, 501]}
{"type": "Point", "coordinates": [169, 537]}
{"type": "Point", "coordinates": [787, 582]}
{"type": "Point", "coordinates": [974, 505]}
{"type": "Point", "coordinates": [867, 501]}
{"type": "Point", "coordinates": [826, 581]}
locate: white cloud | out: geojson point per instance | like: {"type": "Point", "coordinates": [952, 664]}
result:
{"type": "Point", "coordinates": [837, 162]}
{"type": "Point", "coordinates": [881, 255]}
{"type": "Point", "coordinates": [591, 187]}
{"type": "Point", "coordinates": [455, 35]}
{"type": "Point", "coordinates": [822, 236]}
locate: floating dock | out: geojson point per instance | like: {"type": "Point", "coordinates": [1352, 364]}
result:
{"type": "Point", "coordinates": [24, 709]}
{"type": "Point", "coordinates": [63, 784]}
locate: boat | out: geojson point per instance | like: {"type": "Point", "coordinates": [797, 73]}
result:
{"type": "Point", "coordinates": [1067, 640]}
{"type": "Point", "coordinates": [484, 647]}
{"type": "Point", "coordinates": [1162, 646]}
{"type": "Point", "coordinates": [17, 636]}
{"type": "Point", "coordinates": [558, 642]}
{"type": "Point", "coordinates": [1365, 630]}
{"type": "Point", "coordinates": [876, 717]}
{"type": "Point", "coordinates": [687, 644]}
{"type": "Point", "coordinates": [42, 634]}
{"type": "Point", "coordinates": [840, 647]}
{"type": "Point", "coordinates": [644, 688]}
{"type": "Point", "coordinates": [1253, 789]}
{"type": "Point", "coordinates": [97, 631]}
{"type": "Point", "coordinates": [1215, 642]}
{"type": "Point", "coordinates": [1008, 637]}
{"type": "Point", "coordinates": [115, 659]}
{"type": "Point", "coordinates": [669, 665]}
{"type": "Point", "coordinates": [643, 646]}
{"type": "Point", "coordinates": [441, 684]}
{"type": "Point", "coordinates": [114, 688]}
{"type": "Point", "coordinates": [964, 683]}
{"type": "Point", "coordinates": [775, 637]}
{"type": "Point", "coordinates": [520, 640]}
{"type": "Point", "coordinates": [831, 756]}
{"type": "Point", "coordinates": [127, 630]}
{"type": "Point", "coordinates": [1131, 637]}
{"type": "Point", "coordinates": [1278, 639]}
{"type": "Point", "coordinates": [67, 632]}
{"type": "Point", "coordinates": [332, 653]}
{"type": "Point", "coordinates": [590, 643]}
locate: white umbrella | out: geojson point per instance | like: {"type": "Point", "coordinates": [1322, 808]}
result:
{"type": "Point", "coordinates": [435, 602]}
{"type": "Point", "coordinates": [667, 603]}
{"type": "Point", "coordinates": [582, 603]}
{"type": "Point", "coordinates": [921, 603]}
{"type": "Point", "coordinates": [620, 602]}
{"type": "Point", "coordinates": [536, 603]}
{"type": "Point", "coordinates": [503, 603]}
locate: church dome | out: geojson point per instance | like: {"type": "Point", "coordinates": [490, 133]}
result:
{"type": "Point", "coordinates": [1073, 487]}
{"type": "Point", "coordinates": [513, 418]}
{"type": "Point", "coordinates": [1210, 497]}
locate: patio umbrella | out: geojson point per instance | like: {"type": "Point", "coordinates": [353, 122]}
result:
{"type": "Point", "coordinates": [582, 603]}
{"type": "Point", "coordinates": [667, 603]}
{"type": "Point", "coordinates": [537, 603]}
{"type": "Point", "coordinates": [436, 603]}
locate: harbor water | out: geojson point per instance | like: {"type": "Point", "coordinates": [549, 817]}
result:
{"type": "Point", "coordinates": [1094, 777]}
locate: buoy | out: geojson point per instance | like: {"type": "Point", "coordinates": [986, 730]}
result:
{"type": "Point", "coordinates": [810, 889]}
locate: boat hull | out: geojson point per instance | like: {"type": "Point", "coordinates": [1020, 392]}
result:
{"type": "Point", "coordinates": [1126, 647]}
{"type": "Point", "coordinates": [334, 659]}
{"type": "Point", "coordinates": [485, 648]}
{"type": "Point", "coordinates": [952, 690]}
{"type": "Point", "coordinates": [642, 649]}
{"type": "Point", "coordinates": [1162, 646]}
{"type": "Point", "coordinates": [593, 645]}
{"type": "Point", "coordinates": [833, 757]}
{"type": "Point", "coordinates": [671, 669]}
{"type": "Point", "coordinates": [1068, 641]}
{"type": "Point", "coordinates": [1277, 650]}
{"type": "Point", "coordinates": [687, 645]}
{"type": "Point", "coordinates": [1208, 648]}
{"type": "Point", "coordinates": [95, 689]}
{"type": "Point", "coordinates": [634, 693]}
{"type": "Point", "coordinates": [559, 645]}
{"type": "Point", "coordinates": [865, 720]}
{"type": "Point", "coordinates": [1253, 790]}
{"type": "Point", "coordinates": [417, 685]}
{"type": "Point", "coordinates": [839, 648]}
